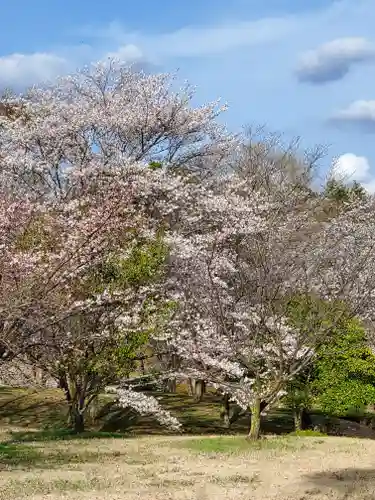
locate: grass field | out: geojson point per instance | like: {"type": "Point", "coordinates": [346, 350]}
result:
{"type": "Point", "coordinates": [116, 460]}
{"type": "Point", "coordinates": [190, 468]}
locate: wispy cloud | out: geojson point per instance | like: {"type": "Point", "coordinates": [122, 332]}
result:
{"type": "Point", "coordinates": [199, 41]}
{"type": "Point", "coordinates": [133, 47]}
{"type": "Point", "coordinates": [359, 113]}
{"type": "Point", "coordinates": [26, 69]}
{"type": "Point", "coordinates": [331, 61]}
{"type": "Point", "coordinates": [246, 36]}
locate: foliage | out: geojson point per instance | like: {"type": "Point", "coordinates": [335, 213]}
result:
{"type": "Point", "coordinates": [344, 373]}
{"type": "Point", "coordinates": [340, 192]}
{"type": "Point", "coordinates": [342, 376]}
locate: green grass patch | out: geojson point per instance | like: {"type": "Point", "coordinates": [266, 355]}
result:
{"type": "Point", "coordinates": [308, 433]}
{"type": "Point", "coordinates": [235, 444]}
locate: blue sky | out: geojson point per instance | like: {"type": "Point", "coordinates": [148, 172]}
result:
{"type": "Point", "coordinates": [304, 68]}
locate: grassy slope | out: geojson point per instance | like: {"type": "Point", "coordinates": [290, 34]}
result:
{"type": "Point", "coordinates": [43, 410]}
{"type": "Point", "coordinates": [46, 409]}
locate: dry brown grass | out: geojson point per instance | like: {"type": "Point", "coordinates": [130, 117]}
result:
{"type": "Point", "coordinates": [163, 468]}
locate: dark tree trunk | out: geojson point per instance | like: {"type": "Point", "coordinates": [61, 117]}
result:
{"type": "Point", "coordinates": [306, 422]}
{"type": "Point", "coordinates": [173, 364]}
{"type": "Point", "coordinates": [143, 370]}
{"type": "Point", "coordinates": [76, 398]}
{"type": "Point", "coordinates": [77, 419]}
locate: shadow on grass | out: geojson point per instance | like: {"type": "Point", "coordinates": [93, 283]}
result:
{"type": "Point", "coordinates": [347, 482]}
{"type": "Point", "coordinates": [47, 409]}
{"type": "Point", "coordinates": [32, 407]}
{"type": "Point", "coordinates": [61, 435]}
{"type": "Point", "coordinates": [16, 456]}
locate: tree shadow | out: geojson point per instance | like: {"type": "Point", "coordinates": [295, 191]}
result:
{"type": "Point", "coordinates": [18, 456]}
{"type": "Point", "coordinates": [61, 435]}
{"type": "Point", "coordinates": [348, 482]}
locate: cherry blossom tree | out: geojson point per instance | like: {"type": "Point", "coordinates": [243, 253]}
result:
{"type": "Point", "coordinates": [122, 222]}
{"type": "Point", "coordinates": [61, 301]}
{"type": "Point", "coordinates": [238, 276]}
{"type": "Point", "coordinates": [79, 186]}
{"type": "Point", "coordinates": [100, 117]}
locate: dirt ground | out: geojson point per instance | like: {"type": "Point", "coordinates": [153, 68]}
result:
{"type": "Point", "coordinates": [188, 468]}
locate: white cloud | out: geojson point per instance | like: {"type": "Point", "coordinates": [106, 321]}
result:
{"type": "Point", "coordinates": [130, 53]}
{"type": "Point", "coordinates": [350, 167]}
{"type": "Point", "coordinates": [359, 112]}
{"type": "Point", "coordinates": [25, 69]}
{"type": "Point", "coordinates": [333, 60]}
{"type": "Point", "coordinates": [21, 70]}
{"type": "Point", "coordinates": [30, 68]}
{"type": "Point", "coordinates": [245, 36]}
{"type": "Point", "coordinates": [245, 31]}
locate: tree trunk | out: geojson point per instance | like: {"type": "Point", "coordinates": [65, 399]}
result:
{"type": "Point", "coordinates": [75, 398]}
{"type": "Point", "coordinates": [225, 411]}
{"type": "Point", "coordinates": [298, 419]}
{"type": "Point", "coordinates": [199, 390]}
{"type": "Point", "coordinates": [143, 370]}
{"type": "Point", "coordinates": [174, 363]}
{"type": "Point", "coordinates": [254, 432]}
{"type": "Point", "coordinates": [92, 410]}
{"type": "Point", "coordinates": [172, 385]}
{"type": "Point", "coordinates": [190, 386]}
{"type": "Point", "coordinates": [77, 419]}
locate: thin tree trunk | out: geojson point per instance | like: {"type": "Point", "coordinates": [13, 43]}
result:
{"type": "Point", "coordinates": [143, 370]}
{"type": "Point", "coordinates": [172, 385]}
{"type": "Point", "coordinates": [298, 417]}
{"type": "Point", "coordinates": [225, 411]}
{"type": "Point", "coordinates": [190, 387]}
{"type": "Point", "coordinates": [63, 384]}
{"type": "Point", "coordinates": [173, 365]}
{"type": "Point", "coordinates": [254, 432]}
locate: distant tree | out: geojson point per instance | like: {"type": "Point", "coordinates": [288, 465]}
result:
{"type": "Point", "coordinates": [343, 193]}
